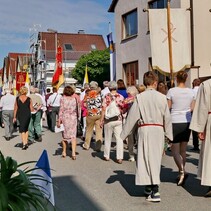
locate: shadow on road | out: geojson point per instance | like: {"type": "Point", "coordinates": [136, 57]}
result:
{"type": "Point", "coordinates": [128, 183]}
{"type": "Point", "coordinates": [70, 196]}
{"type": "Point", "coordinates": [192, 183]}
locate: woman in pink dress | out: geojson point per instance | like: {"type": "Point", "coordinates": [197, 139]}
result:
{"type": "Point", "coordinates": [68, 117]}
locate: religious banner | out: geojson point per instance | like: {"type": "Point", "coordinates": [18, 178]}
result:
{"type": "Point", "coordinates": [58, 77]}
{"type": "Point", "coordinates": [20, 80]}
{"type": "Point", "coordinates": [180, 34]}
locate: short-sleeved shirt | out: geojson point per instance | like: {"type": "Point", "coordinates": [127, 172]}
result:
{"type": "Point", "coordinates": [93, 103]}
{"type": "Point", "coordinates": [181, 104]}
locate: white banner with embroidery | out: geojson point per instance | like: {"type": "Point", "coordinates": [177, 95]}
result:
{"type": "Point", "coordinates": [180, 37]}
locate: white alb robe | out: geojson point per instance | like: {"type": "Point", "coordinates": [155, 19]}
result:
{"type": "Point", "coordinates": [152, 108]}
{"type": "Point", "coordinates": [201, 121]}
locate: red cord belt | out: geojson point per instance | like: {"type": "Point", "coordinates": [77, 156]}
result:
{"type": "Point", "coordinates": [209, 112]}
{"type": "Point", "coordinates": [143, 125]}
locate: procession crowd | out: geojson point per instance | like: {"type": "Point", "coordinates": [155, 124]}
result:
{"type": "Point", "coordinates": [151, 117]}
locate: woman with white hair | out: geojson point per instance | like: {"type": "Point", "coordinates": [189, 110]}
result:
{"type": "Point", "coordinates": [113, 125]}
{"type": "Point", "coordinates": [132, 138]}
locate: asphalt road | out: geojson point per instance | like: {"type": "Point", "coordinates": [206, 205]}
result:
{"type": "Point", "coordinates": [89, 183]}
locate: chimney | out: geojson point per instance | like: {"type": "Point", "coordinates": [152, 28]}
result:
{"type": "Point", "coordinates": [81, 31]}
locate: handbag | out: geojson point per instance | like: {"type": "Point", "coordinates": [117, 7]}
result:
{"type": "Point", "coordinates": [59, 129]}
{"type": "Point", "coordinates": [79, 125]}
{"type": "Point", "coordinates": [79, 129]}
{"type": "Point", "coordinates": [112, 111]}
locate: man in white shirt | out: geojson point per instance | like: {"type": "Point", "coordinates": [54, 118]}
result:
{"type": "Point", "coordinates": [105, 90]}
{"type": "Point", "coordinates": [43, 108]}
{"type": "Point", "coordinates": [54, 102]}
{"type": "Point", "coordinates": [86, 87]}
{"type": "Point", "coordinates": [7, 103]}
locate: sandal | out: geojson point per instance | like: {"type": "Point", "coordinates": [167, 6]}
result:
{"type": "Point", "coordinates": [182, 178]}
{"type": "Point", "coordinates": [63, 154]}
{"type": "Point", "coordinates": [119, 161]}
{"type": "Point", "coordinates": [25, 146]}
{"type": "Point", "coordinates": [105, 158]}
{"type": "Point", "coordinates": [73, 157]}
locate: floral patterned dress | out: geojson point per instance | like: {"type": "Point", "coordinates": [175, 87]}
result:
{"type": "Point", "coordinates": [68, 116]}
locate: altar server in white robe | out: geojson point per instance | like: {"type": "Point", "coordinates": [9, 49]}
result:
{"type": "Point", "coordinates": [201, 123]}
{"type": "Point", "coordinates": [151, 113]}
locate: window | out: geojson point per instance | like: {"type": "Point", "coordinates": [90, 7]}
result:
{"type": "Point", "coordinates": [130, 24]}
{"type": "Point", "coordinates": [155, 4]}
{"type": "Point", "coordinates": [93, 47]}
{"type": "Point", "coordinates": [68, 47]}
{"type": "Point", "coordinates": [131, 72]}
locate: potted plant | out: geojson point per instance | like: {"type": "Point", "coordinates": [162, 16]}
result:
{"type": "Point", "coordinates": [17, 192]}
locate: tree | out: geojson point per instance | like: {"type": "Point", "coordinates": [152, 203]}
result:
{"type": "Point", "coordinates": [98, 63]}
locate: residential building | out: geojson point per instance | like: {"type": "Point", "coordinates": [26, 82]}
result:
{"type": "Point", "coordinates": [73, 45]}
{"type": "Point", "coordinates": [133, 47]}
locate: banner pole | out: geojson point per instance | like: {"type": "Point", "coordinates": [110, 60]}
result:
{"type": "Point", "coordinates": [111, 56]}
{"type": "Point", "coordinates": [170, 42]}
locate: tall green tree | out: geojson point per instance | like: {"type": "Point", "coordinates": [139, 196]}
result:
{"type": "Point", "coordinates": [98, 63]}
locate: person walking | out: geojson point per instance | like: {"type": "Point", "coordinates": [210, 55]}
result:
{"type": "Point", "coordinates": [35, 131]}
{"type": "Point", "coordinates": [7, 103]}
{"type": "Point", "coordinates": [150, 110]}
{"type": "Point", "coordinates": [93, 103]}
{"type": "Point", "coordinates": [113, 125]}
{"type": "Point", "coordinates": [54, 102]}
{"type": "Point", "coordinates": [105, 89]}
{"type": "Point", "coordinates": [68, 117]}
{"type": "Point", "coordinates": [132, 138]}
{"type": "Point", "coordinates": [22, 111]}
{"type": "Point", "coordinates": [196, 83]}
{"type": "Point", "coordinates": [201, 123]}
{"type": "Point", "coordinates": [49, 109]}
{"type": "Point", "coordinates": [181, 102]}
{"type": "Point", "coordinates": [121, 88]}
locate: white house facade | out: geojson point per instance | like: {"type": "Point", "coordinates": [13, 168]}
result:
{"type": "Point", "coordinates": [133, 47]}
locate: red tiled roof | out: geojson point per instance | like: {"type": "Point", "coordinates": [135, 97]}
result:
{"type": "Point", "coordinates": [81, 43]}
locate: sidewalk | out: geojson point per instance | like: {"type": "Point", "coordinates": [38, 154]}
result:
{"type": "Point", "coordinates": [89, 183]}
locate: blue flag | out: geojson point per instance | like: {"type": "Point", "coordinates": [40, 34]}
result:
{"type": "Point", "coordinates": [110, 42]}
{"type": "Point", "coordinates": [43, 169]}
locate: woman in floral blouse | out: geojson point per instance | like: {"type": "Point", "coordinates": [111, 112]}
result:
{"type": "Point", "coordinates": [93, 103]}
{"type": "Point", "coordinates": [115, 126]}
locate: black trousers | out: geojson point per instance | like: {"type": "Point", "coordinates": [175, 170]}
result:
{"type": "Point", "coordinates": [54, 114]}
{"type": "Point", "coordinates": [195, 139]}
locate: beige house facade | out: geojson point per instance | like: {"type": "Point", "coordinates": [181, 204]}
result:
{"type": "Point", "coordinates": [133, 50]}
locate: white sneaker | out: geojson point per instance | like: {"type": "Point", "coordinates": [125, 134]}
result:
{"type": "Point", "coordinates": [132, 159]}
{"type": "Point", "coordinates": [154, 197]}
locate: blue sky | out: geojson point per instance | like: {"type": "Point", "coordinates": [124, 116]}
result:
{"type": "Point", "coordinates": [19, 18]}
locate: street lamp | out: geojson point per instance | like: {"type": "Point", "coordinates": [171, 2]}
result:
{"type": "Point", "coordinates": [54, 31]}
